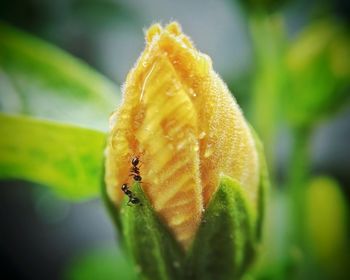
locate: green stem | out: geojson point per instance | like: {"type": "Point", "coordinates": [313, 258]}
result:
{"type": "Point", "coordinates": [298, 177]}
{"type": "Point", "coordinates": [268, 36]}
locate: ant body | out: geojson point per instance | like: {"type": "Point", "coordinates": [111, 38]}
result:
{"type": "Point", "coordinates": [135, 170]}
{"type": "Point", "coordinates": [132, 198]}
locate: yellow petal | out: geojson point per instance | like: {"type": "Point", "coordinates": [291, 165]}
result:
{"type": "Point", "coordinates": [180, 119]}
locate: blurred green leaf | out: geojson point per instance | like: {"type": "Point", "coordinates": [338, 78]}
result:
{"type": "Point", "coordinates": [100, 264]}
{"type": "Point", "coordinates": [275, 260]}
{"type": "Point", "coordinates": [327, 228]}
{"type": "Point", "coordinates": [68, 159]}
{"type": "Point", "coordinates": [262, 6]}
{"type": "Point", "coordinates": [38, 79]}
{"type": "Point", "coordinates": [319, 72]}
{"type": "Point", "coordinates": [269, 42]}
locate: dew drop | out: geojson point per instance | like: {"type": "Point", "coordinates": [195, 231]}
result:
{"type": "Point", "coordinates": [170, 93]}
{"type": "Point", "coordinates": [180, 146]}
{"type": "Point", "coordinates": [169, 137]}
{"type": "Point", "coordinates": [192, 92]}
{"type": "Point", "coordinates": [201, 135]}
{"type": "Point", "coordinates": [208, 152]}
{"type": "Point", "coordinates": [124, 116]}
{"type": "Point", "coordinates": [176, 84]}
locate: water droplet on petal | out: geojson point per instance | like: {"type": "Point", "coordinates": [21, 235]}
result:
{"type": "Point", "coordinates": [201, 135]}
{"type": "Point", "coordinates": [181, 145]}
{"type": "Point", "coordinates": [208, 152]}
{"type": "Point", "coordinates": [192, 92]}
{"type": "Point", "coordinates": [169, 137]}
{"type": "Point", "coordinates": [176, 84]}
{"type": "Point", "coordinates": [170, 93]}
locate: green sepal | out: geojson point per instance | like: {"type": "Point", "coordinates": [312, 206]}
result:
{"type": "Point", "coordinates": [225, 243]}
{"type": "Point", "coordinates": [148, 241]}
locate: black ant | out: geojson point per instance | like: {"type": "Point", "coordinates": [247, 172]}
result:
{"type": "Point", "coordinates": [132, 198]}
{"type": "Point", "coordinates": [135, 170]}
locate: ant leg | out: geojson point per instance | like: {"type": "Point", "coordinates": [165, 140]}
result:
{"type": "Point", "coordinates": [129, 202]}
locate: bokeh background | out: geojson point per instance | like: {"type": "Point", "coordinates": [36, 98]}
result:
{"type": "Point", "coordinates": [288, 65]}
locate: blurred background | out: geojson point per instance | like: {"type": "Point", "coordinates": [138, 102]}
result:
{"type": "Point", "coordinates": [287, 64]}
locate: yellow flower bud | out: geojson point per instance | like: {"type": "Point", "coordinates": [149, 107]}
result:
{"type": "Point", "coordinates": [180, 119]}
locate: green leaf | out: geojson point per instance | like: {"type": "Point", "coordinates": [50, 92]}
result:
{"type": "Point", "coordinates": [150, 244]}
{"type": "Point", "coordinates": [68, 159]}
{"type": "Point", "coordinates": [102, 264]}
{"type": "Point", "coordinates": [319, 73]}
{"type": "Point", "coordinates": [225, 242]}
{"type": "Point", "coordinates": [39, 80]}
